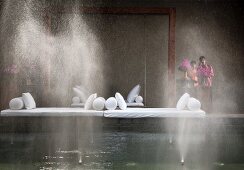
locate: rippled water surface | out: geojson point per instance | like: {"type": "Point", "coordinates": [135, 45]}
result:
{"type": "Point", "coordinates": [119, 150]}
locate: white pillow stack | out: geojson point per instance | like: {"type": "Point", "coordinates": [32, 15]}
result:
{"type": "Point", "coordinates": [80, 96]}
{"type": "Point", "coordinates": [188, 102]}
{"type": "Point", "coordinates": [26, 101]}
{"type": "Point", "coordinates": [133, 94]}
{"type": "Point", "coordinates": [134, 99]}
{"type": "Point", "coordinates": [110, 104]}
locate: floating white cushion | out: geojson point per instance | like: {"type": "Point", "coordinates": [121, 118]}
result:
{"type": "Point", "coordinates": [193, 104]}
{"type": "Point", "coordinates": [16, 103]}
{"type": "Point", "coordinates": [121, 101]}
{"type": "Point", "coordinates": [111, 103]}
{"type": "Point", "coordinates": [99, 103]}
{"type": "Point", "coordinates": [76, 100]}
{"type": "Point", "coordinates": [89, 101]}
{"type": "Point", "coordinates": [182, 102]}
{"type": "Point", "coordinates": [28, 101]}
{"type": "Point", "coordinates": [139, 99]}
{"type": "Point", "coordinates": [80, 94]}
{"type": "Point", "coordinates": [133, 94]}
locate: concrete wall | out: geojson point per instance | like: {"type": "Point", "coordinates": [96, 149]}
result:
{"type": "Point", "coordinates": [135, 52]}
{"type": "Point", "coordinates": [134, 49]}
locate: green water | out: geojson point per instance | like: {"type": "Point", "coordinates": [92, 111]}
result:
{"type": "Point", "coordinates": [129, 166]}
{"type": "Point", "coordinates": [120, 150]}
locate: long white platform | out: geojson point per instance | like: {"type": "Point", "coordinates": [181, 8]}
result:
{"type": "Point", "coordinates": [152, 112]}
{"type": "Point", "coordinates": [128, 113]}
{"type": "Point", "coordinates": [52, 111]}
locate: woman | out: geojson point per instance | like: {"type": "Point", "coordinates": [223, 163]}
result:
{"type": "Point", "coordinates": [192, 78]}
{"type": "Point", "coordinates": [192, 73]}
{"type": "Point", "coordinates": [205, 75]}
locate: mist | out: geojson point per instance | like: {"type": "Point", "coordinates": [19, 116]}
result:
{"type": "Point", "coordinates": [70, 57]}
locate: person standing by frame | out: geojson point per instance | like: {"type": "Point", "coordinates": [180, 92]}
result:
{"type": "Point", "coordinates": [205, 74]}
{"type": "Point", "coordinates": [193, 79]}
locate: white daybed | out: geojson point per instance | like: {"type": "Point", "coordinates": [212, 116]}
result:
{"type": "Point", "coordinates": [52, 111]}
{"type": "Point", "coordinates": [152, 112]}
{"type": "Point", "coordinates": [128, 113]}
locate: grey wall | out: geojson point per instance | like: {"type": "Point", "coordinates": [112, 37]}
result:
{"type": "Point", "coordinates": [134, 50]}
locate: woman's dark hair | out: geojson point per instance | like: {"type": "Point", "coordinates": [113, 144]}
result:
{"type": "Point", "coordinates": [201, 58]}
{"type": "Point", "coordinates": [193, 62]}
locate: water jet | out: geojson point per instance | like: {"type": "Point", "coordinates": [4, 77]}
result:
{"type": "Point", "coordinates": [182, 161]}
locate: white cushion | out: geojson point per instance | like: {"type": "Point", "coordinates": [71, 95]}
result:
{"type": "Point", "coordinates": [28, 101]}
{"type": "Point", "coordinates": [133, 93]}
{"type": "Point", "coordinates": [81, 105]}
{"type": "Point", "coordinates": [121, 101]}
{"type": "Point", "coordinates": [111, 103]}
{"type": "Point", "coordinates": [80, 94]}
{"type": "Point", "coordinates": [194, 104]}
{"type": "Point", "coordinates": [139, 99]}
{"type": "Point", "coordinates": [16, 103]}
{"type": "Point", "coordinates": [76, 100]}
{"type": "Point", "coordinates": [182, 102]}
{"type": "Point", "coordinates": [99, 103]}
{"type": "Point", "coordinates": [135, 104]}
{"type": "Point", "coordinates": [89, 101]}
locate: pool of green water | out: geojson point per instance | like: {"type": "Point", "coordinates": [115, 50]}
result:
{"type": "Point", "coordinates": [121, 150]}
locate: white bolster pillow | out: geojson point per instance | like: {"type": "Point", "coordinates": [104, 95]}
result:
{"type": "Point", "coordinates": [76, 100]}
{"type": "Point", "coordinates": [111, 103]}
{"type": "Point", "coordinates": [16, 103]}
{"type": "Point", "coordinates": [193, 104]}
{"type": "Point", "coordinates": [98, 103]}
{"type": "Point", "coordinates": [182, 102]}
{"type": "Point", "coordinates": [89, 101]}
{"type": "Point", "coordinates": [28, 101]}
{"type": "Point", "coordinates": [121, 101]}
{"type": "Point", "coordinates": [139, 99]}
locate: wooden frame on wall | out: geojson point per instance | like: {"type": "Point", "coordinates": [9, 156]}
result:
{"type": "Point", "coordinates": [171, 12]}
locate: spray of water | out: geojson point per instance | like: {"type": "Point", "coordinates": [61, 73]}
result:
{"type": "Point", "coordinates": [54, 59]}
{"type": "Point", "coordinates": [58, 61]}
{"type": "Point", "coordinates": [213, 45]}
